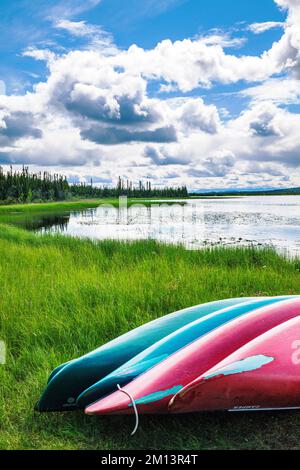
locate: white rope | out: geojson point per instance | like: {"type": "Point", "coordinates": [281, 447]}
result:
{"type": "Point", "coordinates": [134, 407]}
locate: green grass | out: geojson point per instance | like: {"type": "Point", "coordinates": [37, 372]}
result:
{"type": "Point", "coordinates": [61, 297]}
{"type": "Point", "coordinates": [20, 214]}
{"type": "Point", "coordinates": [73, 205]}
{"type": "Point", "coordinates": [53, 206]}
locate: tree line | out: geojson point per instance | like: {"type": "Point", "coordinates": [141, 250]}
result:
{"type": "Point", "coordinates": [24, 187]}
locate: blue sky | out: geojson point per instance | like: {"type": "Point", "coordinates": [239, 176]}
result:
{"type": "Point", "coordinates": [25, 23]}
{"type": "Point", "coordinates": [213, 75]}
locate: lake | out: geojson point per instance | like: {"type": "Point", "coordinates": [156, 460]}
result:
{"type": "Point", "coordinates": [272, 221]}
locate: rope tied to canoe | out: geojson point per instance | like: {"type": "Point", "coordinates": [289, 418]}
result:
{"type": "Point", "coordinates": [134, 407]}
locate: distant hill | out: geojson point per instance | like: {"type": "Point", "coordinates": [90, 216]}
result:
{"type": "Point", "coordinates": [260, 192]}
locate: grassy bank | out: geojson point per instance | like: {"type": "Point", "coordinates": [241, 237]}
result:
{"type": "Point", "coordinates": [61, 297]}
{"type": "Point", "coordinates": [50, 206]}
{"type": "Point", "coordinates": [73, 205]}
{"type": "Point", "coordinates": [17, 214]}
{"type": "Point", "coordinates": [21, 214]}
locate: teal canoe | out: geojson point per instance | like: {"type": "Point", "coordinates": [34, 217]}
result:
{"type": "Point", "coordinates": [167, 346]}
{"type": "Point", "coordinates": [69, 380]}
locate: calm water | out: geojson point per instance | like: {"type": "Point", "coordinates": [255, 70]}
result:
{"type": "Point", "coordinates": [260, 221]}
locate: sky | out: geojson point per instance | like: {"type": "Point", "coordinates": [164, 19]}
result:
{"type": "Point", "coordinates": [204, 93]}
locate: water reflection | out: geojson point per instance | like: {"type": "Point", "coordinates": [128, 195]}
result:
{"type": "Point", "coordinates": [260, 221]}
{"type": "Point", "coordinates": [47, 222]}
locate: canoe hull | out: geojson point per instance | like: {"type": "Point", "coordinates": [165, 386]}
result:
{"type": "Point", "coordinates": [263, 375]}
{"type": "Point", "coordinates": [68, 381]}
{"type": "Point", "coordinates": [164, 348]}
{"type": "Point", "coordinates": [153, 391]}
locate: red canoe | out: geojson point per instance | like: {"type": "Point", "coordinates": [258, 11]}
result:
{"type": "Point", "coordinates": [263, 375]}
{"type": "Point", "coordinates": [153, 390]}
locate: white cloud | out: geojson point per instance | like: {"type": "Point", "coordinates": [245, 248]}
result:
{"type": "Point", "coordinates": [263, 134]}
{"type": "Point", "coordinates": [267, 133]}
{"type": "Point", "coordinates": [95, 37]}
{"type": "Point", "coordinates": [193, 114]}
{"type": "Point", "coordinates": [264, 120]}
{"type": "Point", "coordinates": [277, 90]}
{"type": "Point", "coordinates": [257, 168]}
{"type": "Point", "coordinates": [258, 28]}
{"type": "Point", "coordinates": [69, 8]}
{"type": "Point", "coordinates": [217, 166]}
{"type": "Point", "coordinates": [59, 144]}
{"type": "Point", "coordinates": [201, 62]}
{"type": "Point", "coordinates": [218, 37]}
{"type": "Point", "coordinates": [40, 54]}
{"type": "Point", "coordinates": [193, 63]}
{"type": "Point", "coordinates": [94, 110]}
{"type": "Point", "coordinates": [163, 156]}
{"type": "Point", "coordinates": [77, 28]}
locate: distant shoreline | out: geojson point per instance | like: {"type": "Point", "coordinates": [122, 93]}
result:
{"type": "Point", "coordinates": [90, 203]}
{"type": "Point", "coordinates": [271, 192]}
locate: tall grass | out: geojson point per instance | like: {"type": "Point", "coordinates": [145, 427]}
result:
{"type": "Point", "coordinates": [53, 206]}
{"type": "Point", "coordinates": [61, 297]}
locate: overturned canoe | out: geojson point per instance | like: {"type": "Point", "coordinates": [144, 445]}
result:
{"type": "Point", "coordinates": [165, 387]}
{"type": "Point", "coordinates": [263, 375]}
{"type": "Point", "coordinates": [69, 380]}
{"type": "Point", "coordinates": [164, 348]}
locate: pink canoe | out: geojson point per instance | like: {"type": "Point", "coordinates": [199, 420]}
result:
{"type": "Point", "coordinates": [263, 375]}
{"type": "Point", "coordinates": [153, 390]}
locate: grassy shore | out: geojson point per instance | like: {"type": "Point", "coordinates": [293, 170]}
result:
{"type": "Point", "coordinates": [62, 297]}
{"type": "Point", "coordinates": [19, 214]}
{"type": "Point", "coordinates": [53, 206]}
{"type": "Point", "coordinates": [72, 205]}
